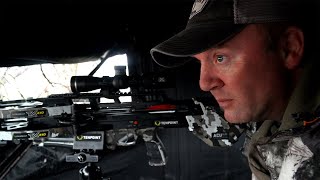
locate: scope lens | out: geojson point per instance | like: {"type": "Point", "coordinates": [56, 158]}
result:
{"type": "Point", "coordinates": [84, 83]}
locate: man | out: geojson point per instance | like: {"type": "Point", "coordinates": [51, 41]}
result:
{"type": "Point", "coordinates": [256, 60]}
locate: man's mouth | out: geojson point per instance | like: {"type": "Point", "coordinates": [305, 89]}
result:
{"type": "Point", "coordinates": [224, 103]}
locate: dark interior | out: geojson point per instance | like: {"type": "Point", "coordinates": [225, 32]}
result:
{"type": "Point", "coordinates": [58, 30]}
{"type": "Point", "coordinates": [68, 31]}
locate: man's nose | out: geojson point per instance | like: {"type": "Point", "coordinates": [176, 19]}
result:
{"type": "Point", "coordinates": [209, 79]}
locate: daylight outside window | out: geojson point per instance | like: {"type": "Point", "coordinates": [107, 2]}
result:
{"type": "Point", "coordinates": [38, 81]}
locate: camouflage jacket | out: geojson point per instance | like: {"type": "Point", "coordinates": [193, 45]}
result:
{"type": "Point", "coordinates": [289, 149]}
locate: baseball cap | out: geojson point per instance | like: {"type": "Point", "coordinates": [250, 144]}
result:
{"type": "Point", "coordinates": [213, 22]}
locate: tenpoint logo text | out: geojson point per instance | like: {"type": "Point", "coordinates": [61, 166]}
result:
{"type": "Point", "coordinates": [88, 138]}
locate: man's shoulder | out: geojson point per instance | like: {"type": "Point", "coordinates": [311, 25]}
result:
{"type": "Point", "coordinates": [310, 168]}
{"type": "Point", "coordinates": [293, 152]}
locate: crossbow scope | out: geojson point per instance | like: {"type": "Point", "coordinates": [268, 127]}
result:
{"type": "Point", "coordinates": [119, 81]}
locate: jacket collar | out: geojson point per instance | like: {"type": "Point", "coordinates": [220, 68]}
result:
{"type": "Point", "coordinates": [305, 97]}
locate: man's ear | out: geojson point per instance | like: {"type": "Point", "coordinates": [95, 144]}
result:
{"type": "Point", "coordinates": [292, 47]}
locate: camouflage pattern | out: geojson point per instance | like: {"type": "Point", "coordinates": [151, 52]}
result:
{"type": "Point", "coordinates": [212, 128]}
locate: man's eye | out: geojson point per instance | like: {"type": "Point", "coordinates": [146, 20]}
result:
{"type": "Point", "coordinates": [220, 58]}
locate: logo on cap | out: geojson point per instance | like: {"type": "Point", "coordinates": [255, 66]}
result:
{"type": "Point", "coordinates": [197, 7]}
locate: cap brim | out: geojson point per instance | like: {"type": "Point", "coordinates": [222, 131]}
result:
{"type": "Point", "coordinates": [193, 40]}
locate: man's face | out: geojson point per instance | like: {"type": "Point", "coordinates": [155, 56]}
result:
{"type": "Point", "coordinates": [248, 80]}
